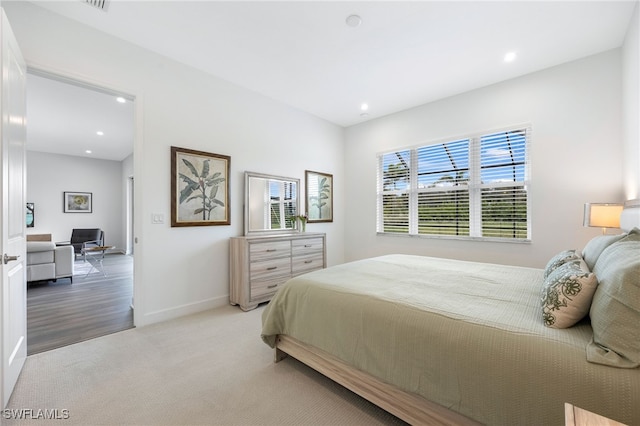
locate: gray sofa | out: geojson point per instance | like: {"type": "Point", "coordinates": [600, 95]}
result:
{"type": "Point", "coordinates": [46, 261]}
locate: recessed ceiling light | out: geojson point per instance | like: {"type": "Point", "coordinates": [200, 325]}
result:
{"type": "Point", "coordinates": [121, 99]}
{"type": "Point", "coordinates": [100, 133]}
{"type": "Point", "coordinates": [354, 21]}
{"type": "Point", "coordinates": [88, 151]}
{"type": "Point", "coordinates": [510, 57]}
{"type": "Point", "coordinates": [364, 107]}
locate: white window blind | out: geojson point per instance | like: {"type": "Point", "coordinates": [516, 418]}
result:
{"type": "Point", "coordinates": [503, 185]}
{"type": "Point", "coordinates": [469, 187]}
{"type": "Point", "coordinates": [393, 182]}
{"type": "Point", "coordinates": [443, 188]}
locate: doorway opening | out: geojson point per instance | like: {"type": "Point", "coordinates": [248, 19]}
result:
{"type": "Point", "coordinates": [80, 140]}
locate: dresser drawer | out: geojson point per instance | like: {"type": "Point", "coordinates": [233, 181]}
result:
{"type": "Point", "coordinates": [269, 250]}
{"type": "Point", "coordinates": [306, 246]}
{"type": "Point", "coordinates": [302, 264]}
{"type": "Point", "coordinates": [268, 269]}
{"type": "Point", "coordinates": [267, 287]}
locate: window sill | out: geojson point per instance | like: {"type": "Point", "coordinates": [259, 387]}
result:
{"type": "Point", "coordinates": [459, 238]}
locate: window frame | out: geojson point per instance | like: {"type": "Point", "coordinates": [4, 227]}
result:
{"type": "Point", "coordinates": [474, 186]}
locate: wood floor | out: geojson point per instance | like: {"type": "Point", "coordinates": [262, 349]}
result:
{"type": "Point", "coordinates": [62, 313]}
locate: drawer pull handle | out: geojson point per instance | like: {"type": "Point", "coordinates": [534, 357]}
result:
{"type": "Point", "coordinates": [271, 268]}
{"type": "Point", "coordinates": [307, 245]}
{"type": "Point", "coordinates": [271, 250]}
{"type": "Point", "coordinates": [308, 261]}
{"type": "Point", "coordinates": [272, 286]}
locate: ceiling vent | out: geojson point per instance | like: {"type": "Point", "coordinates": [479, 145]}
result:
{"type": "Point", "coordinates": [98, 4]}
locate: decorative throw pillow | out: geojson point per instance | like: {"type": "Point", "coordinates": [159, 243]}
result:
{"type": "Point", "coordinates": [567, 294]}
{"type": "Point", "coordinates": [596, 246]}
{"type": "Point", "coordinates": [559, 260]}
{"type": "Point", "coordinates": [615, 310]}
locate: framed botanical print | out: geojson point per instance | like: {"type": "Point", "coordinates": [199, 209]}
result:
{"type": "Point", "coordinates": [199, 188]}
{"type": "Point", "coordinates": [319, 196]}
{"type": "Point", "coordinates": [78, 202]}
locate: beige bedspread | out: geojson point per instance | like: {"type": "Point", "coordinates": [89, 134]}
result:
{"type": "Point", "coordinates": [466, 335]}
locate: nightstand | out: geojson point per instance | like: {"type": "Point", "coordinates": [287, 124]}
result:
{"type": "Point", "coordinates": [575, 416]}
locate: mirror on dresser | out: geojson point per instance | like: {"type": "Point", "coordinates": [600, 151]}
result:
{"type": "Point", "coordinates": [270, 204]}
{"type": "Point", "coordinates": [272, 249]}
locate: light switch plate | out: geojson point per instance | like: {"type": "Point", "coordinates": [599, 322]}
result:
{"type": "Point", "coordinates": [157, 218]}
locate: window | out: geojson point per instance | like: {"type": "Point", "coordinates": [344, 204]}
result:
{"type": "Point", "coordinates": [475, 187]}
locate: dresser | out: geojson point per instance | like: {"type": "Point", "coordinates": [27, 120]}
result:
{"type": "Point", "coordinates": [259, 265]}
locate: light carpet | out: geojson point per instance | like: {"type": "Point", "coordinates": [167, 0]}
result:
{"type": "Point", "coordinates": [210, 368]}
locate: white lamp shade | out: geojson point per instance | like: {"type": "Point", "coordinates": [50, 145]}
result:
{"type": "Point", "coordinates": [602, 215]}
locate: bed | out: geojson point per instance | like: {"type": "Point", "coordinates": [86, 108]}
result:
{"type": "Point", "coordinates": [440, 341]}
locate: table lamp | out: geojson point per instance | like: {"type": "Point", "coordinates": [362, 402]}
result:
{"type": "Point", "coordinates": [602, 215]}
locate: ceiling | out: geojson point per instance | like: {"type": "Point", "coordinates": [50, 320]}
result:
{"type": "Point", "coordinates": [64, 118]}
{"type": "Point", "coordinates": [403, 54]}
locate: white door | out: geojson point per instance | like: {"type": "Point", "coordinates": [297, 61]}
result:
{"type": "Point", "coordinates": [12, 225]}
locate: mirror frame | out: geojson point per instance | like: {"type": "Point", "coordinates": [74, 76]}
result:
{"type": "Point", "coordinates": [247, 177]}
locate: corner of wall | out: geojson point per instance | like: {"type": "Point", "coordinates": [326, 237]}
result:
{"type": "Point", "coordinates": [631, 107]}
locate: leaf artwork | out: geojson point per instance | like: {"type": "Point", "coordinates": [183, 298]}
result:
{"type": "Point", "coordinates": [201, 187]}
{"type": "Point", "coordinates": [319, 201]}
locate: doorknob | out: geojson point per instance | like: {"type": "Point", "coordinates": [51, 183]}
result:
{"type": "Point", "coordinates": [6, 258]}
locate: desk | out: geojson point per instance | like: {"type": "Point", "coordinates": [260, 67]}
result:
{"type": "Point", "coordinates": [95, 258]}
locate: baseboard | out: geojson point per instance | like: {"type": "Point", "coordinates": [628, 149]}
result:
{"type": "Point", "coordinates": [180, 311]}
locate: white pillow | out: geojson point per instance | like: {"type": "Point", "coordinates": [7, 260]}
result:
{"type": "Point", "coordinates": [596, 246]}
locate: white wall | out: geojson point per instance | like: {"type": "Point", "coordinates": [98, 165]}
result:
{"type": "Point", "coordinates": [127, 204]}
{"type": "Point", "coordinates": [49, 175]}
{"type": "Point", "coordinates": [183, 270]}
{"type": "Point", "coordinates": [576, 154]}
{"type": "Point", "coordinates": [631, 107]}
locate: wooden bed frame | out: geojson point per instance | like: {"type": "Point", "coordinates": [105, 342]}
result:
{"type": "Point", "coordinates": [409, 407]}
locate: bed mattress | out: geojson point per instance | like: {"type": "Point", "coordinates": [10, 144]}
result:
{"type": "Point", "coordinates": [468, 336]}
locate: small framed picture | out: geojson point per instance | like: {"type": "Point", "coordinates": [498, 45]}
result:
{"type": "Point", "coordinates": [319, 196]}
{"type": "Point", "coordinates": [199, 188]}
{"type": "Point", "coordinates": [78, 202]}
